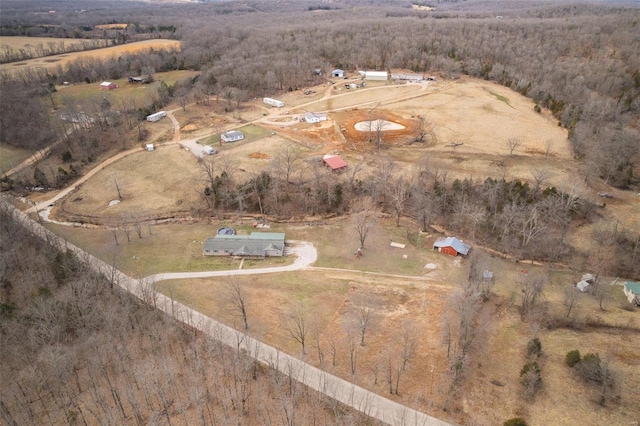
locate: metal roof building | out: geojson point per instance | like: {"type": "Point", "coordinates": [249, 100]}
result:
{"type": "Point", "coordinates": [257, 244]}
{"type": "Point", "coordinates": [452, 246]}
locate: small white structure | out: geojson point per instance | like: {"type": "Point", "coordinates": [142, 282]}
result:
{"type": "Point", "coordinates": [232, 136]}
{"type": "Point", "coordinates": [632, 291]}
{"type": "Point", "coordinates": [209, 150]}
{"type": "Point", "coordinates": [150, 147]}
{"type": "Point", "coordinates": [157, 116]}
{"type": "Point", "coordinates": [108, 85]}
{"type": "Point", "coordinates": [337, 73]}
{"type": "Point", "coordinates": [273, 102]}
{"type": "Point", "coordinates": [375, 75]}
{"type": "Point", "coordinates": [583, 286]}
{"type": "Point", "coordinates": [312, 117]}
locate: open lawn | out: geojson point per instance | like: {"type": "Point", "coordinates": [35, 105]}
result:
{"type": "Point", "coordinates": [163, 183]}
{"type": "Point", "coordinates": [11, 157]}
{"type": "Point", "coordinates": [251, 133]}
{"type": "Point", "coordinates": [125, 91]}
{"type": "Point", "coordinates": [107, 52]}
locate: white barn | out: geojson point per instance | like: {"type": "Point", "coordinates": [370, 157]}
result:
{"type": "Point", "coordinates": [407, 77]}
{"type": "Point", "coordinates": [337, 73]}
{"type": "Point", "coordinates": [312, 117]}
{"type": "Point", "coordinates": [375, 75]}
{"type": "Point", "coordinates": [232, 136]}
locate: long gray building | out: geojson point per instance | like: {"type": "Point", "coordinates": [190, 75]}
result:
{"type": "Point", "coordinates": [257, 244]}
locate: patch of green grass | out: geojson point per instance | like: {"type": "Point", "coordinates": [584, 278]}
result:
{"type": "Point", "coordinates": [501, 98]}
{"type": "Point", "coordinates": [251, 133]}
{"type": "Point", "coordinates": [11, 156]}
{"type": "Point", "coordinates": [125, 91]}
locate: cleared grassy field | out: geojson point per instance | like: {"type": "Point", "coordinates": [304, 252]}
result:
{"type": "Point", "coordinates": [114, 51]}
{"type": "Point", "coordinates": [32, 43]}
{"type": "Point", "coordinates": [251, 133]}
{"type": "Point", "coordinates": [162, 182]}
{"type": "Point", "coordinates": [11, 157]}
{"type": "Point", "coordinates": [125, 91]}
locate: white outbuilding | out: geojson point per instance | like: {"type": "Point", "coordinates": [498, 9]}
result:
{"type": "Point", "coordinates": [375, 75]}
{"type": "Point", "coordinates": [312, 117]}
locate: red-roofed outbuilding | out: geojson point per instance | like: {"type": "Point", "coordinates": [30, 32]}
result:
{"type": "Point", "coordinates": [334, 162]}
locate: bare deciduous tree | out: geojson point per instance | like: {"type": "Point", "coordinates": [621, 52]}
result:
{"type": "Point", "coordinates": [513, 144]}
{"type": "Point", "coordinates": [295, 322]}
{"type": "Point", "coordinates": [235, 297]}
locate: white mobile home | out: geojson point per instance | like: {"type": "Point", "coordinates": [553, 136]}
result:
{"type": "Point", "coordinates": [273, 102]}
{"type": "Point", "coordinates": [157, 116]}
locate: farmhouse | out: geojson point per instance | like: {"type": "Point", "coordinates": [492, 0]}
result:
{"type": "Point", "coordinates": [232, 136]}
{"type": "Point", "coordinates": [312, 117]}
{"type": "Point", "coordinates": [632, 291]}
{"type": "Point", "coordinates": [375, 75]}
{"type": "Point", "coordinates": [452, 246]}
{"type": "Point", "coordinates": [257, 244]}
{"type": "Point", "coordinates": [337, 73]}
{"type": "Point", "coordinates": [108, 85]}
{"type": "Point", "coordinates": [334, 162]}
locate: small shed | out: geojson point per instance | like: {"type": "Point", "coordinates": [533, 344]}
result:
{"type": "Point", "coordinates": [337, 73]}
{"type": "Point", "coordinates": [334, 162]}
{"type": "Point", "coordinates": [209, 150]}
{"type": "Point", "coordinates": [150, 147]}
{"type": "Point", "coordinates": [108, 85]}
{"type": "Point", "coordinates": [451, 246]}
{"type": "Point", "coordinates": [232, 136]}
{"type": "Point", "coordinates": [632, 291]}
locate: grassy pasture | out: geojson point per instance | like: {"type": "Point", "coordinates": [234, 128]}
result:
{"type": "Point", "coordinates": [11, 156]}
{"type": "Point", "coordinates": [251, 133]}
{"type": "Point", "coordinates": [107, 52]}
{"type": "Point", "coordinates": [125, 90]}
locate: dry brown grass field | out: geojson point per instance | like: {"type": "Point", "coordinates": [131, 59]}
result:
{"type": "Point", "coordinates": [20, 42]}
{"type": "Point", "coordinates": [114, 51]}
{"type": "Point", "coordinates": [500, 351]}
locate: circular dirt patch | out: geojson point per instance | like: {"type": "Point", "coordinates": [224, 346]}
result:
{"type": "Point", "coordinates": [374, 125]}
{"type": "Point", "coordinates": [359, 139]}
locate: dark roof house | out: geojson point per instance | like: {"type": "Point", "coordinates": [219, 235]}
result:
{"type": "Point", "coordinates": [452, 246]}
{"type": "Point", "coordinates": [257, 244]}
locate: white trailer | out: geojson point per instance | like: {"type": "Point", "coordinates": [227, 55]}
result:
{"type": "Point", "coordinates": [273, 102]}
{"type": "Point", "coordinates": [157, 116]}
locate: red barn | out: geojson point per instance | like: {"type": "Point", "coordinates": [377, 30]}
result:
{"type": "Point", "coordinates": [451, 246]}
{"type": "Point", "coordinates": [334, 162]}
